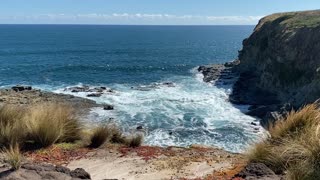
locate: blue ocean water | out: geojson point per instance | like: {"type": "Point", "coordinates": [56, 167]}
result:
{"type": "Point", "coordinates": [53, 57]}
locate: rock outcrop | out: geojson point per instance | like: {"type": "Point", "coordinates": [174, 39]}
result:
{"type": "Point", "coordinates": [43, 171]}
{"type": "Point", "coordinates": [280, 64]}
{"type": "Point", "coordinates": [26, 96]}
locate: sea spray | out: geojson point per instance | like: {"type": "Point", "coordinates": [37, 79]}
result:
{"type": "Point", "coordinates": [180, 113]}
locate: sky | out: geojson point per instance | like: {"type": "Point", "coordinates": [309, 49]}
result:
{"type": "Point", "coordinates": [146, 12]}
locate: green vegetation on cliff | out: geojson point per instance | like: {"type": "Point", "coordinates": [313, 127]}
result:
{"type": "Point", "coordinates": [292, 20]}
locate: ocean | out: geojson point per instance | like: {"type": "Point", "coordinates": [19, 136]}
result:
{"type": "Point", "coordinates": [137, 62]}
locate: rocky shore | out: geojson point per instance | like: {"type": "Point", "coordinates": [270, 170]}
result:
{"type": "Point", "coordinates": [23, 95]}
{"type": "Point", "coordinates": [278, 67]}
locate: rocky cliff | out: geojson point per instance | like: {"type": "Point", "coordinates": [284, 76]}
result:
{"type": "Point", "coordinates": [280, 63]}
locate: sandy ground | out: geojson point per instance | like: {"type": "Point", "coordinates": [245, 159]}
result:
{"type": "Point", "coordinates": [153, 163]}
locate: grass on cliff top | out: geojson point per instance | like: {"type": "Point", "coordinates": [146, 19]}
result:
{"type": "Point", "coordinates": [293, 20]}
{"type": "Point", "coordinates": [293, 147]}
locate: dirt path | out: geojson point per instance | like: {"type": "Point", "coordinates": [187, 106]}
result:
{"type": "Point", "coordinates": [153, 163]}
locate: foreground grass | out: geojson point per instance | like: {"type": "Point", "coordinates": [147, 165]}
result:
{"type": "Point", "coordinates": [293, 147]}
{"type": "Point", "coordinates": [13, 157]}
{"type": "Point", "coordinates": [42, 125]}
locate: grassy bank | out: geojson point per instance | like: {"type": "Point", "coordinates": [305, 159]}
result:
{"type": "Point", "coordinates": [42, 125]}
{"type": "Point", "coordinates": [293, 147]}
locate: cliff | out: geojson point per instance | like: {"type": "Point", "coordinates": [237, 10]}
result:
{"type": "Point", "coordinates": [280, 63]}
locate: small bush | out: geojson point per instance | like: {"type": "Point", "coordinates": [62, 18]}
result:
{"type": "Point", "coordinates": [293, 146]}
{"type": "Point", "coordinates": [99, 136]}
{"type": "Point", "coordinates": [13, 157]}
{"type": "Point", "coordinates": [135, 141]}
{"type": "Point", "coordinates": [295, 122]}
{"type": "Point", "coordinates": [117, 136]}
{"type": "Point", "coordinates": [51, 122]}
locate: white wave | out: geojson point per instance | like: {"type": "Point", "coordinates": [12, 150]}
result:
{"type": "Point", "coordinates": [191, 112]}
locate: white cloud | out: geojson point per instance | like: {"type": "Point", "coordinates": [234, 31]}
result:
{"type": "Point", "coordinates": [126, 18]}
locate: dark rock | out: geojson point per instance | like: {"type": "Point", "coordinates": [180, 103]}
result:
{"type": "Point", "coordinates": [42, 171]}
{"type": "Point", "coordinates": [63, 169]}
{"type": "Point", "coordinates": [94, 95]}
{"type": "Point", "coordinates": [261, 111]}
{"type": "Point", "coordinates": [80, 173]}
{"type": "Point", "coordinates": [108, 107]}
{"type": "Point", "coordinates": [257, 171]}
{"type": "Point", "coordinates": [21, 88]}
{"type": "Point", "coordinates": [279, 64]}
{"type": "Point", "coordinates": [139, 127]}
{"type": "Point", "coordinates": [219, 74]}
{"type": "Point", "coordinates": [169, 84]}
{"type": "Point", "coordinates": [253, 123]}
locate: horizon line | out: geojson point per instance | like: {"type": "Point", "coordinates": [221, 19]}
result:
{"type": "Point", "coordinates": [130, 24]}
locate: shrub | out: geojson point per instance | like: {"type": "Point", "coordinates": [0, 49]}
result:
{"type": "Point", "coordinates": [293, 145]}
{"type": "Point", "coordinates": [296, 122]}
{"type": "Point", "coordinates": [99, 136]}
{"type": "Point", "coordinates": [51, 122]}
{"type": "Point", "coordinates": [10, 125]}
{"type": "Point", "coordinates": [135, 141]}
{"type": "Point", "coordinates": [13, 156]}
{"type": "Point", "coordinates": [117, 136]}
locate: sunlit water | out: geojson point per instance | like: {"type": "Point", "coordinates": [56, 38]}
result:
{"type": "Point", "coordinates": [135, 61]}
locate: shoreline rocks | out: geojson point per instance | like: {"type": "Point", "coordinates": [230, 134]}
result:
{"type": "Point", "coordinates": [43, 171]}
{"type": "Point", "coordinates": [278, 66]}
{"type": "Point", "coordinates": [219, 74]}
{"type": "Point", "coordinates": [26, 96]}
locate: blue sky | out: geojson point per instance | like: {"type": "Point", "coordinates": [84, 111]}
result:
{"type": "Point", "coordinates": [161, 12]}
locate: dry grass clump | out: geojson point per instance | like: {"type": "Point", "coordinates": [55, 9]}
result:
{"type": "Point", "coordinates": [49, 123]}
{"type": "Point", "coordinates": [13, 157]}
{"type": "Point", "coordinates": [38, 125]}
{"type": "Point", "coordinates": [111, 133]}
{"type": "Point", "coordinates": [10, 125]}
{"type": "Point", "coordinates": [45, 124]}
{"type": "Point", "coordinates": [99, 136]}
{"type": "Point", "coordinates": [134, 141]}
{"type": "Point", "coordinates": [293, 147]}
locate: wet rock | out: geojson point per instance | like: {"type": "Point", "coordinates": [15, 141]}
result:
{"type": "Point", "coordinates": [257, 171]}
{"type": "Point", "coordinates": [169, 84]}
{"type": "Point", "coordinates": [94, 95]}
{"type": "Point", "coordinates": [253, 123]}
{"type": "Point", "coordinates": [21, 88]}
{"type": "Point", "coordinates": [139, 127]}
{"type": "Point", "coordinates": [108, 107]}
{"type": "Point", "coordinates": [219, 73]}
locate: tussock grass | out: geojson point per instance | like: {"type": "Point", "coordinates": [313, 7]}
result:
{"type": "Point", "coordinates": [13, 157]}
{"type": "Point", "coordinates": [44, 124]}
{"type": "Point", "coordinates": [50, 123]}
{"type": "Point", "coordinates": [10, 125]}
{"type": "Point", "coordinates": [293, 147]}
{"type": "Point", "coordinates": [117, 136]}
{"type": "Point", "coordinates": [134, 141]}
{"type": "Point", "coordinates": [99, 136]}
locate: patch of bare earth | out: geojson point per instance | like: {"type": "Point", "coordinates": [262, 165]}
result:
{"type": "Point", "coordinates": [152, 163]}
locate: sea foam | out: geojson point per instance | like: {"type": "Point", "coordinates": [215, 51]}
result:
{"type": "Point", "coordinates": [180, 113]}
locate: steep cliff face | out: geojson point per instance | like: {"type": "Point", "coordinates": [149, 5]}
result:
{"type": "Point", "coordinates": [280, 61]}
